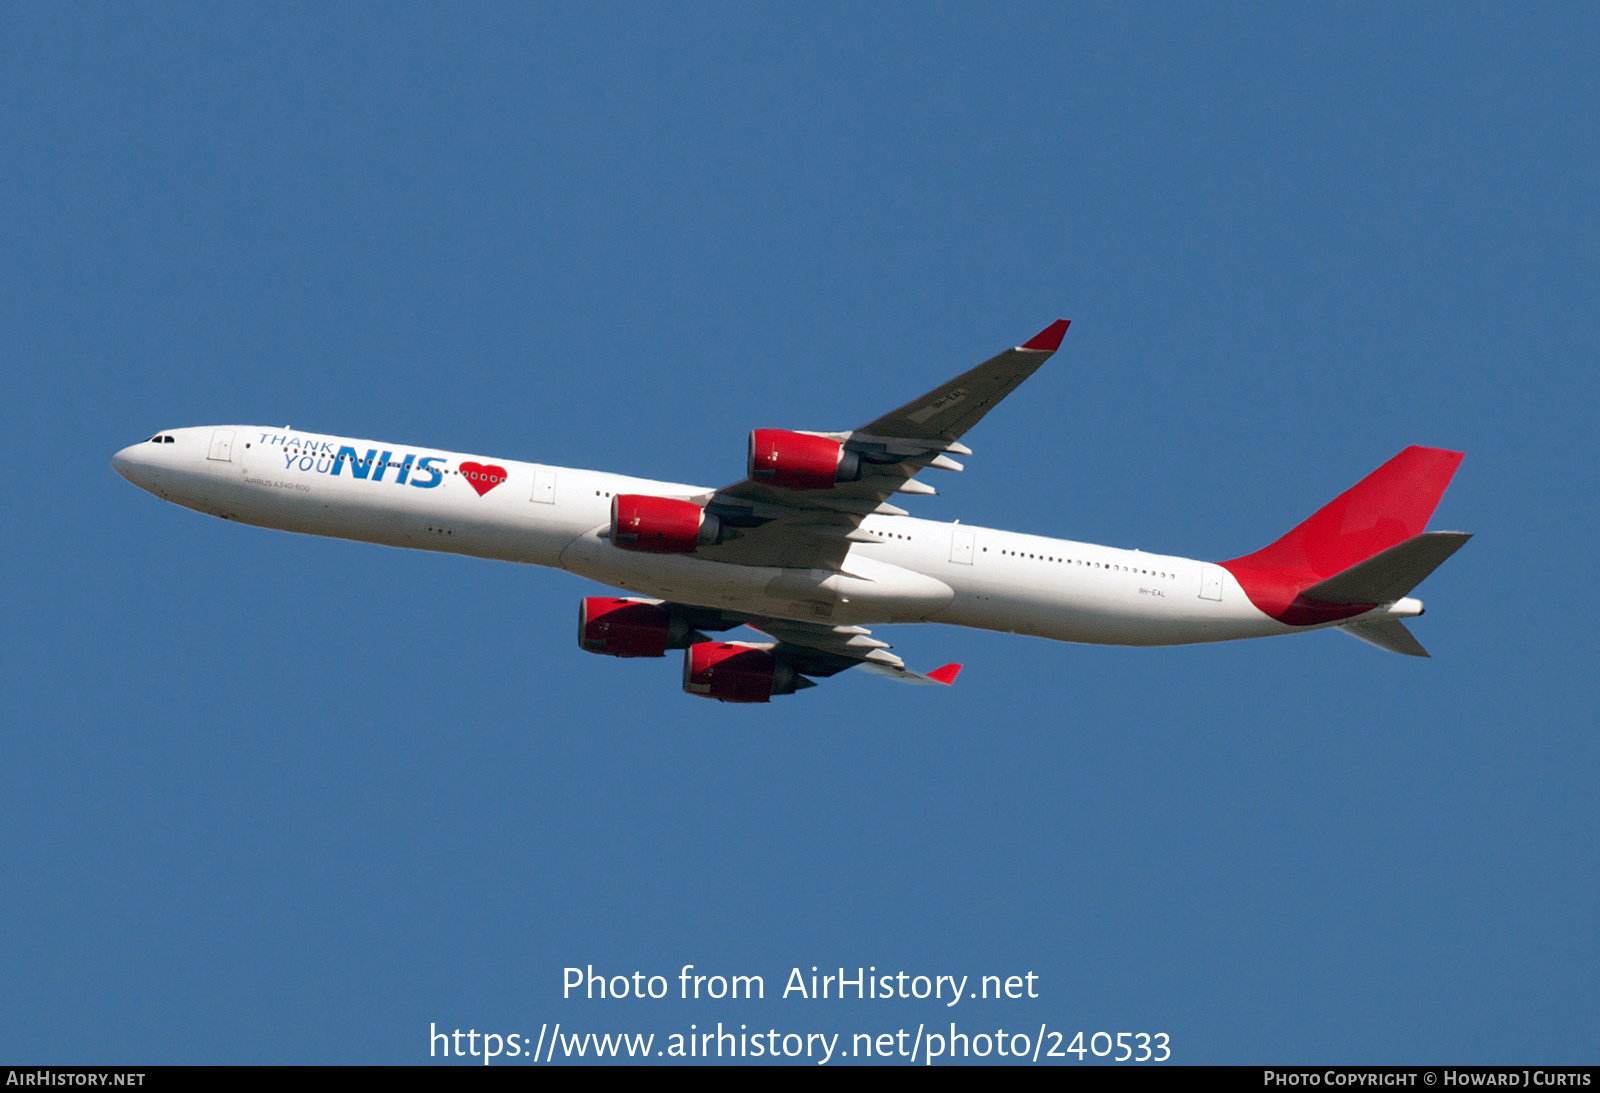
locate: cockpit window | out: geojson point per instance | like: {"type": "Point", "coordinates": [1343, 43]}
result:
{"type": "Point", "coordinates": [162, 438]}
{"type": "Point", "coordinates": [169, 440]}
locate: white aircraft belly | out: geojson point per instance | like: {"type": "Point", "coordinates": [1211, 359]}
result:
{"type": "Point", "coordinates": [874, 591]}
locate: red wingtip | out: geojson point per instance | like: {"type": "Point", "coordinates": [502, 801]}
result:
{"type": "Point", "coordinates": [1048, 340]}
{"type": "Point", "coordinates": [946, 675]}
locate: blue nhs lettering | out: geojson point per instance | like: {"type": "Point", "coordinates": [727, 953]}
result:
{"type": "Point", "coordinates": [425, 466]}
{"type": "Point", "coordinates": [372, 466]}
{"type": "Point", "coordinates": [358, 467]}
{"type": "Point", "coordinates": [385, 461]}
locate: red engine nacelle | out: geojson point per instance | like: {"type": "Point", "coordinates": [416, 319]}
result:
{"type": "Point", "coordinates": [620, 627]}
{"type": "Point", "coordinates": [731, 671]}
{"type": "Point", "coordinates": [800, 461]}
{"type": "Point", "coordinates": [661, 525]}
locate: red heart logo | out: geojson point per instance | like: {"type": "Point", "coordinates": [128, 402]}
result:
{"type": "Point", "coordinates": [481, 477]}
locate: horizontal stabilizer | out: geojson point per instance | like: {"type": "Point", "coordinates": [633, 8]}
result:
{"type": "Point", "coordinates": [1390, 574]}
{"type": "Point", "coordinates": [1390, 634]}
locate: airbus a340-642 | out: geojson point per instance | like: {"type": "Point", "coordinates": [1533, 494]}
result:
{"type": "Point", "coordinates": [807, 549]}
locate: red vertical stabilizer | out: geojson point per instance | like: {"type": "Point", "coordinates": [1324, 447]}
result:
{"type": "Point", "coordinates": [1387, 507]}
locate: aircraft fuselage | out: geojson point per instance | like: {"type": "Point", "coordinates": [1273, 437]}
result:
{"type": "Point", "coordinates": [534, 514]}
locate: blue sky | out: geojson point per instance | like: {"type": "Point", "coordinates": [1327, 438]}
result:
{"type": "Point", "coordinates": [275, 798]}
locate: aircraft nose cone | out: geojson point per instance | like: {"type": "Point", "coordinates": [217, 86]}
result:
{"type": "Point", "coordinates": [122, 462]}
{"type": "Point", "coordinates": [133, 464]}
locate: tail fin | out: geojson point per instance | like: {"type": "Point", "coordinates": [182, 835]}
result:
{"type": "Point", "coordinates": [1383, 510]}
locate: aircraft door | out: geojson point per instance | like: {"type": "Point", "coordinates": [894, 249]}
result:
{"type": "Point", "coordinates": [961, 542]}
{"type": "Point", "coordinates": [221, 446]}
{"type": "Point", "coordinates": [1210, 582]}
{"type": "Point", "coordinates": [544, 487]}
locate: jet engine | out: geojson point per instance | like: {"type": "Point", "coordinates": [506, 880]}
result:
{"type": "Point", "coordinates": [800, 461]}
{"type": "Point", "coordinates": [661, 525]}
{"type": "Point", "coordinates": [619, 627]}
{"type": "Point", "coordinates": [733, 671]}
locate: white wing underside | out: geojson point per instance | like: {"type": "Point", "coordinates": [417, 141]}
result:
{"type": "Point", "coordinates": [853, 642]}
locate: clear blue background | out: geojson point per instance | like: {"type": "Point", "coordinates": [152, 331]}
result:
{"type": "Point", "coordinates": [274, 798]}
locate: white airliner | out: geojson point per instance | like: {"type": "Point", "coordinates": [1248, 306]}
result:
{"type": "Point", "coordinates": [807, 549]}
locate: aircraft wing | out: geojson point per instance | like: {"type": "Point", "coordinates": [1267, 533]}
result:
{"type": "Point", "coordinates": [821, 650]}
{"type": "Point", "coordinates": [943, 414]}
{"type": "Point", "coordinates": [811, 648]}
{"type": "Point", "coordinates": [775, 525]}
